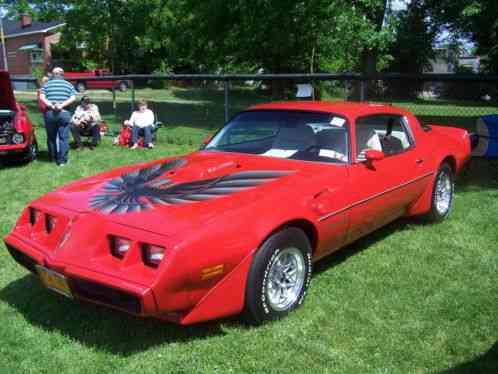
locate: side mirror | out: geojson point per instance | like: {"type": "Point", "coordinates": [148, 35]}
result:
{"type": "Point", "coordinates": [374, 155]}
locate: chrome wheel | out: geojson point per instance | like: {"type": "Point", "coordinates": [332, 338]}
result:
{"type": "Point", "coordinates": [286, 277]}
{"type": "Point", "coordinates": [444, 193]}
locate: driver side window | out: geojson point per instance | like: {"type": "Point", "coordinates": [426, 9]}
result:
{"type": "Point", "coordinates": [386, 133]}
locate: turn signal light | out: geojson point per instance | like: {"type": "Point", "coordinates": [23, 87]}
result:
{"type": "Point", "coordinates": [119, 246]}
{"type": "Point", "coordinates": [152, 254]}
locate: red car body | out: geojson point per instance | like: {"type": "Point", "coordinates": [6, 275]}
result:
{"type": "Point", "coordinates": [17, 134]}
{"type": "Point", "coordinates": [81, 82]}
{"type": "Point", "coordinates": [211, 237]}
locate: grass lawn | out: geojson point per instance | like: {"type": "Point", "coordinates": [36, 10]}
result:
{"type": "Point", "coordinates": [411, 298]}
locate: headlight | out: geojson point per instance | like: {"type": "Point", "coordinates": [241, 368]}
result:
{"type": "Point", "coordinates": [18, 138]}
{"type": "Point", "coordinates": [152, 254]}
{"type": "Point", "coordinates": [119, 246]}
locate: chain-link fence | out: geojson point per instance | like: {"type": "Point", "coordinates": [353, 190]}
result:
{"type": "Point", "coordinates": [200, 104]}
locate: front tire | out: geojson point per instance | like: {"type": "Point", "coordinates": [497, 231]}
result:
{"type": "Point", "coordinates": [32, 152]}
{"type": "Point", "coordinates": [442, 194]}
{"type": "Point", "coordinates": [279, 276]}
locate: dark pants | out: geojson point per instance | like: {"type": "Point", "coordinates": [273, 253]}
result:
{"type": "Point", "coordinates": [93, 131]}
{"type": "Point", "coordinates": [57, 126]}
{"type": "Point", "coordinates": [146, 132]}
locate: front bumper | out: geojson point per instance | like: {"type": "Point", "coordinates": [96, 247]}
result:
{"type": "Point", "coordinates": [14, 149]}
{"type": "Point", "coordinates": [88, 285]}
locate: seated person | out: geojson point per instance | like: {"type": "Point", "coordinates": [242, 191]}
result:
{"type": "Point", "coordinates": [85, 121]}
{"type": "Point", "coordinates": [141, 123]}
{"type": "Point", "coordinates": [367, 139]}
{"type": "Point", "coordinates": [390, 144]}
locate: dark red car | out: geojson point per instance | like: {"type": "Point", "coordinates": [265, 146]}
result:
{"type": "Point", "coordinates": [236, 226]}
{"type": "Point", "coordinates": [17, 134]}
{"type": "Point", "coordinates": [78, 79]}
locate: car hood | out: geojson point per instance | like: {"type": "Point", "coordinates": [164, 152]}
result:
{"type": "Point", "coordinates": [170, 195]}
{"type": "Point", "coordinates": [7, 99]}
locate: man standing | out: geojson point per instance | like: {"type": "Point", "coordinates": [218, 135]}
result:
{"type": "Point", "coordinates": [58, 94]}
{"type": "Point", "coordinates": [86, 120]}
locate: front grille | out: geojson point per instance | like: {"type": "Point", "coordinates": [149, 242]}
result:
{"type": "Point", "coordinates": [22, 259]}
{"type": "Point", "coordinates": [106, 295]}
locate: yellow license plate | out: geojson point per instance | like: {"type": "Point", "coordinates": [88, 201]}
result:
{"type": "Point", "coordinates": [55, 281]}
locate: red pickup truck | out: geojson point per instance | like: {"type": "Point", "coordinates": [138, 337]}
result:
{"type": "Point", "coordinates": [79, 82]}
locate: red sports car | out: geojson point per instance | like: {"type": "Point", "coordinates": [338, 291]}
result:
{"type": "Point", "coordinates": [17, 135]}
{"type": "Point", "coordinates": [235, 227]}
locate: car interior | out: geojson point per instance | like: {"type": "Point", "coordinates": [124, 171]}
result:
{"type": "Point", "coordinates": [306, 137]}
{"type": "Point", "coordinates": [381, 133]}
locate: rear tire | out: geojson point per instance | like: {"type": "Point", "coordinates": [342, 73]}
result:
{"type": "Point", "coordinates": [442, 194]}
{"type": "Point", "coordinates": [80, 87]}
{"type": "Point", "coordinates": [279, 276]}
{"type": "Point", "coordinates": [123, 86]}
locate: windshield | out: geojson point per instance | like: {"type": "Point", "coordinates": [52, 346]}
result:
{"type": "Point", "coordinates": [307, 136]}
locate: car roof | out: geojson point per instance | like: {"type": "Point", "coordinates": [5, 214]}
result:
{"type": "Point", "coordinates": [346, 108]}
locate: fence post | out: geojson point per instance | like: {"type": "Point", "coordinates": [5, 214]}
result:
{"type": "Point", "coordinates": [114, 102]}
{"type": "Point", "coordinates": [226, 83]}
{"type": "Point", "coordinates": [363, 90]}
{"type": "Point", "coordinates": [132, 96]}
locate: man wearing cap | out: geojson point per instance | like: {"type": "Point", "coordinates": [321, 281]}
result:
{"type": "Point", "coordinates": [86, 120]}
{"type": "Point", "coordinates": [58, 94]}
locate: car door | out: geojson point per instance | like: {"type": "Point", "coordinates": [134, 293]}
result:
{"type": "Point", "coordinates": [382, 190]}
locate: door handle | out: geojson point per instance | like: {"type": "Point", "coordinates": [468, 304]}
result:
{"type": "Point", "coordinates": [419, 161]}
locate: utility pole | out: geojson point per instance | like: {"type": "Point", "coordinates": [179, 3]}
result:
{"type": "Point", "coordinates": [4, 51]}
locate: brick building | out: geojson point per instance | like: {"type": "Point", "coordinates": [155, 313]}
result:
{"type": "Point", "coordinates": [28, 44]}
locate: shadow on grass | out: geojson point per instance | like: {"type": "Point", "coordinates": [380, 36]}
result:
{"type": "Point", "coordinates": [485, 364]}
{"type": "Point", "coordinates": [95, 326]}
{"type": "Point", "coordinates": [480, 174]}
{"type": "Point", "coordinates": [364, 243]}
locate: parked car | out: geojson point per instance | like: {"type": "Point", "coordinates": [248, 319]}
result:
{"type": "Point", "coordinates": [235, 227]}
{"type": "Point", "coordinates": [17, 134]}
{"type": "Point", "coordinates": [81, 85]}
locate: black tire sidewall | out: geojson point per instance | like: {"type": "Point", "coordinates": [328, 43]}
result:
{"type": "Point", "coordinates": [257, 308]}
{"type": "Point", "coordinates": [435, 215]}
{"type": "Point", "coordinates": [80, 87]}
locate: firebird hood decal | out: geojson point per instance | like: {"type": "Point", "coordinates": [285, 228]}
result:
{"type": "Point", "coordinates": [143, 189]}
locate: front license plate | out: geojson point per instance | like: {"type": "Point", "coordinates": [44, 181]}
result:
{"type": "Point", "coordinates": [3, 140]}
{"type": "Point", "coordinates": [55, 281]}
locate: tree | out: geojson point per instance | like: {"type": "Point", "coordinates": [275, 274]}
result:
{"type": "Point", "coordinates": [477, 20]}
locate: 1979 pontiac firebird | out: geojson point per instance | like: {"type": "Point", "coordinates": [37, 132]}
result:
{"type": "Point", "coordinates": [235, 227]}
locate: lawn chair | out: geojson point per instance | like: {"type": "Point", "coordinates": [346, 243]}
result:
{"type": "Point", "coordinates": [104, 128]}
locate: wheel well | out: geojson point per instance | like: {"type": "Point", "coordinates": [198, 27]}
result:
{"type": "Point", "coordinates": [450, 160]}
{"type": "Point", "coordinates": [308, 228]}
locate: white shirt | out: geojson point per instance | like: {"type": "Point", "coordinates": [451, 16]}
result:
{"type": "Point", "coordinates": [142, 119]}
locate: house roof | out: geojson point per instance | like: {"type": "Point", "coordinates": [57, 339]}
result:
{"type": "Point", "coordinates": [13, 28]}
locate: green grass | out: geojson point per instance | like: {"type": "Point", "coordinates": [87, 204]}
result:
{"type": "Point", "coordinates": [410, 298]}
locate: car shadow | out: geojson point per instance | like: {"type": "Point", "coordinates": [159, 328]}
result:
{"type": "Point", "coordinates": [484, 364]}
{"type": "Point", "coordinates": [95, 326]}
{"type": "Point", "coordinates": [364, 243]}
